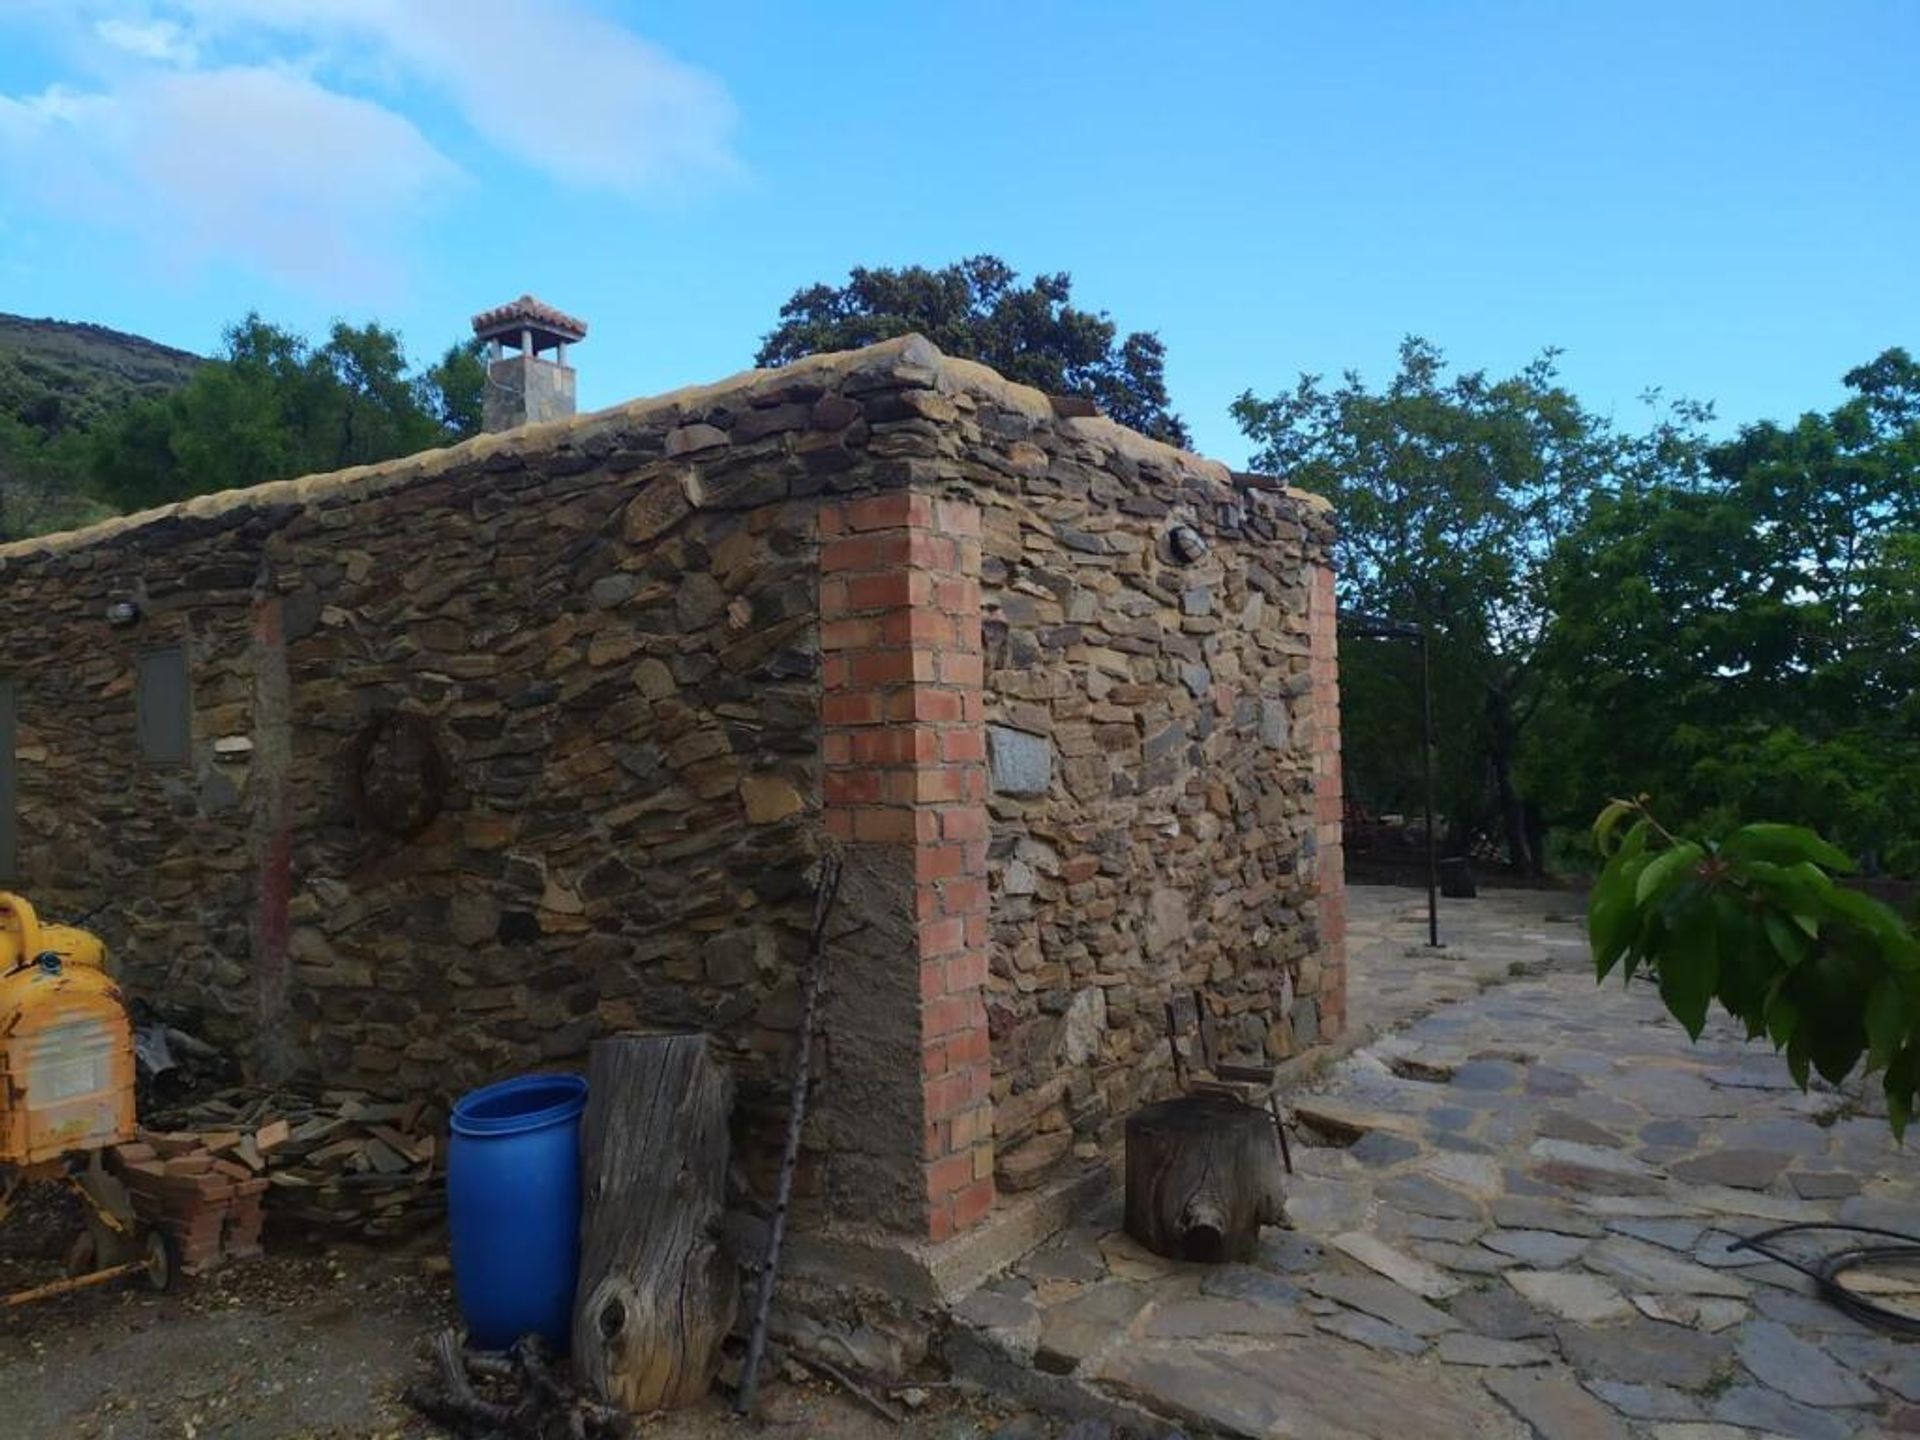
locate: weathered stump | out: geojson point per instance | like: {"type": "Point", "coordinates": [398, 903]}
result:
{"type": "Point", "coordinates": [656, 1295]}
{"type": "Point", "coordinates": [1203, 1175]}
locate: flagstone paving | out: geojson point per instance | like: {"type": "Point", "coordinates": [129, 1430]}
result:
{"type": "Point", "coordinates": [1516, 1216]}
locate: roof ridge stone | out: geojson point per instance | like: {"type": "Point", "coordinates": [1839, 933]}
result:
{"type": "Point", "coordinates": [905, 362]}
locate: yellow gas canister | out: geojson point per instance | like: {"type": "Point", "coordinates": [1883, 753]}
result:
{"type": "Point", "coordinates": [66, 1046]}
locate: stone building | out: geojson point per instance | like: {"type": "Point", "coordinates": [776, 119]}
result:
{"type": "Point", "coordinates": [419, 774]}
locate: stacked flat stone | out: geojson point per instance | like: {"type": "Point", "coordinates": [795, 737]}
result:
{"type": "Point", "coordinates": [341, 1161]}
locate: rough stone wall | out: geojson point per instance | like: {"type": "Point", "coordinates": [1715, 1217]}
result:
{"type": "Point", "coordinates": [157, 855]}
{"type": "Point", "coordinates": [611, 632]}
{"type": "Point", "coordinates": [660, 657]}
{"type": "Point", "coordinates": [1156, 743]}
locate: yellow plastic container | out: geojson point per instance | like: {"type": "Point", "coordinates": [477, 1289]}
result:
{"type": "Point", "coordinates": [66, 1047]}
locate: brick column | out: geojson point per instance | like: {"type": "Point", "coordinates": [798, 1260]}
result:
{"type": "Point", "coordinates": [904, 767]}
{"type": "Point", "coordinates": [1330, 860]}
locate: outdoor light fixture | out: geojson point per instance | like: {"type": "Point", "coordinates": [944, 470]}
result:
{"type": "Point", "coordinates": [1187, 544]}
{"type": "Point", "coordinates": [123, 612]}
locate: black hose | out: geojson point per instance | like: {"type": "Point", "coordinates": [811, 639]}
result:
{"type": "Point", "coordinates": [1827, 1270]}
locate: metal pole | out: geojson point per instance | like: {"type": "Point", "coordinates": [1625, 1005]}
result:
{"type": "Point", "coordinates": [810, 986]}
{"type": "Point", "coordinates": [1426, 765]}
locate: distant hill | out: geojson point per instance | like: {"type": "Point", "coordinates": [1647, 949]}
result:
{"type": "Point", "coordinates": [58, 376]}
{"type": "Point", "coordinates": [58, 381]}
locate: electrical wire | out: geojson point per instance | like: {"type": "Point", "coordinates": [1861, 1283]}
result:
{"type": "Point", "coordinates": [1827, 1270]}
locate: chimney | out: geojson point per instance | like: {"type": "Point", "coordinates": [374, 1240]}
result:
{"type": "Point", "coordinates": [523, 389]}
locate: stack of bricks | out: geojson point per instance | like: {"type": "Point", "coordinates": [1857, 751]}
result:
{"type": "Point", "coordinates": [212, 1207]}
{"type": "Point", "coordinates": [1330, 855]}
{"type": "Point", "coordinates": [904, 765]}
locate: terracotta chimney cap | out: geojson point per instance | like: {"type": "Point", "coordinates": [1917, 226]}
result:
{"type": "Point", "coordinates": [509, 322]}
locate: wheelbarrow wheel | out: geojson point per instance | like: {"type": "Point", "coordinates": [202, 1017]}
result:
{"type": "Point", "coordinates": [163, 1260]}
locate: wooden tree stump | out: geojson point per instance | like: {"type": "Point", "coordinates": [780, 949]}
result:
{"type": "Point", "coordinates": [1203, 1175]}
{"type": "Point", "coordinates": [656, 1295]}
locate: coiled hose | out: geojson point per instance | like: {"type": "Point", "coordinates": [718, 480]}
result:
{"type": "Point", "coordinates": [1827, 1270]}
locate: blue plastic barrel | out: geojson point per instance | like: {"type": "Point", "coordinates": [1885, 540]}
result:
{"type": "Point", "coordinates": [513, 1205]}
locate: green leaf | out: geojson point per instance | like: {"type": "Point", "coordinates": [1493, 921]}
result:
{"type": "Point", "coordinates": [1610, 921]}
{"type": "Point", "coordinates": [1868, 913]}
{"type": "Point", "coordinates": [1787, 844]}
{"type": "Point", "coordinates": [1886, 1021]}
{"type": "Point", "coordinates": [1665, 868]}
{"type": "Point", "coordinates": [1784, 938]}
{"type": "Point", "coordinates": [1609, 821]}
{"type": "Point", "coordinates": [1817, 881]}
{"type": "Point", "coordinates": [1634, 844]}
{"type": "Point", "coordinates": [1747, 962]}
{"type": "Point", "coordinates": [1782, 1015]}
{"type": "Point", "coordinates": [1901, 1083]}
{"type": "Point", "coordinates": [1831, 991]}
{"type": "Point", "coordinates": [1690, 967]}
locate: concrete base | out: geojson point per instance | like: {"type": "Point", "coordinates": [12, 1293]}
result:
{"type": "Point", "coordinates": [921, 1273]}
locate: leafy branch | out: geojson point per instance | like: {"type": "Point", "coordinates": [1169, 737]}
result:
{"type": "Point", "coordinates": [1758, 922]}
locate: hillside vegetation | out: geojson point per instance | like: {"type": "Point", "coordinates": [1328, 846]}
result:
{"type": "Point", "coordinates": [93, 421]}
{"type": "Point", "coordinates": [59, 381]}
{"type": "Point", "coordinates": [58, 375]}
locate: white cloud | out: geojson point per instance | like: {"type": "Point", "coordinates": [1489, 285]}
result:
{"type": "Point", "coordinates": [257, 163]}
{"type": "Point", "coordinates": [277, 132]}
{"type": "Point", "coordinates": [549, 82]}
{"type": "Point", "coordinates": [160, 40]}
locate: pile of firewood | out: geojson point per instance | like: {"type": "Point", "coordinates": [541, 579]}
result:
{"type": "Point", "coordinates": [518, 1395]}
{"type": "Point", "coordinates": [341, 1160]}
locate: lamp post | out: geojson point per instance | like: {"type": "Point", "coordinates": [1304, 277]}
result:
{"type": "Point", "coordinates": [1374, 627]}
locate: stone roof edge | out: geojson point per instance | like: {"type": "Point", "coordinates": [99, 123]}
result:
{"type": "Point", "coordinates": [908, 360]}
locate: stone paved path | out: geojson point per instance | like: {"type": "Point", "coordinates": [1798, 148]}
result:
{"type": "Point", "coordinates": [1523, 1231]}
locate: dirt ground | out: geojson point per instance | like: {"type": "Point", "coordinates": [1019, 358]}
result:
{"type": "Point", "coordinates": [308, 1344]}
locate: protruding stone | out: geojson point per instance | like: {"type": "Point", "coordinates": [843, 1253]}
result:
{"type": "Point", "coordinates": [770, 798]}
{"type": "Point", "coordinates": [1020, 763]}
{"type": "Point", "coordinates": [691, 439]}
{"type": "Point", "coordinates": [656, 510]}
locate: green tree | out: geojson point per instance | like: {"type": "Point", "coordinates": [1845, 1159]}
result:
{"type": "Point", "coordinates": [978, 309]}
{"type": "Point", "coordinates": [272, 406]}
{"type": "Point", "coordinates": [454, 388]}
{"type": "Point", "coordinates": [1747, 645]}
{"type": "Point", "coordinates": [1452, 490]}
{"type": "Point", "coordinates": [39, 481]}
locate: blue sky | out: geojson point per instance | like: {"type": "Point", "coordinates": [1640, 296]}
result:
{"type": "Point", "coordinates": [1722, 199]}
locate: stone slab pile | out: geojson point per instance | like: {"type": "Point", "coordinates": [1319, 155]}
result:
{"type": "Point", "coordinates": [343, 1161]}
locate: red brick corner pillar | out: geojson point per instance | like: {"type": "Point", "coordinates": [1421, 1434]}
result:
{"type": "Point", "coordinates": [905, 788]}
{"type": "Point", "coordinates": [1330, 859]}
